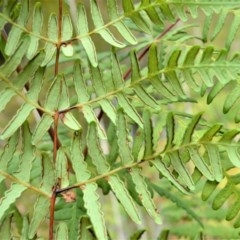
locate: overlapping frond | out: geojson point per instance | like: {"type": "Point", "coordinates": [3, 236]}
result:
{"type": "Point", "coordinates": [102, 125]}
{"type": "Point", "coordinates": [53, 38]}
{"type": "Point", "coordinates": [185, 8]}
{"type": "Point", "coordinates": [227, 194]}
{"type": "Point", "coordinates": [23, 166]}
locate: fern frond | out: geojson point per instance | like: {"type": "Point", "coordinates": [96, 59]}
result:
{"type": "Point", "coordinates": [112, 115]}
{"type": "Point", "coordinates": [231, 100]}
{"type": "Point", "coordinates": [183, 8]}
{"type": "Point", "coordinates": [178, 201]}
{"type": "Point", "coordinates": [22, 177]}
{"type": "Point", "coordinates": [89, 191]}
{"type": "Point", "coordinates": [225, 194]}
{"type": "Point", "coordinates": [218, 27]}
{"type": "Point", "coordinates": [15, 33]}
{"type": "Point", "coordinates": [179, 154]}
{"type": "Point", "coordinates": [26, 108]}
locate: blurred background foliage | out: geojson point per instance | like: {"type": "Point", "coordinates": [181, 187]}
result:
{"type": "Point", "coordinates": [177, 220]}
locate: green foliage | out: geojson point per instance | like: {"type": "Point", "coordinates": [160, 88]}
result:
{"type": "Point", "coordinates": [110, 96]}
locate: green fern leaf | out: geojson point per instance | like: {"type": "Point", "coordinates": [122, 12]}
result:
{"type": "Point", "coordinates": [146, 98]}
{"type": "Point", "coordinates": [10, 196]}
{"type": "Point", "coordinates": [231, 100]}
{"type": "Point", "coordinates": [172, 75]}
{"type": "Point", "coordinates": [220, 22]}
{"type": "Point", "coordinates": [29, 72]}
{"type": "Point", "coordinates": [232, 31]}
{"type": "Point", "coordinates": [181, 7]}
{"type": "Point", "coordinates": [77, 159]}
{"type": "Point", "coordinates": [25, 226]}
{"type": "Point", "coordinates": [144, 194]}
{"type": "Point", "coordinates": [148, 133]}
{"type": "Point", "coordinates": [70, 121]}
{"type": "Point", "coordinates": [67, 31]}
{"type": "Point", "coordinates": [90, 117]}
{"type": "Point", "coordinates": [222, 197]}
{"type": "Point", "coordinates": [151, 12]}
{"type": "Point", "coordinates": [41, 210]}
{"type": "Point", "coordinates": [206, 27]}
{"type": "Point", "coordinates": [210, 133]}
{"type": "Point", "coordinates": [138, 147]}
{"type": "Point", "coordinates": [79, 84]}
{"type": "Point", "coordinates": [124, 197]}
{"type": "Point", "coordinates": [97, 82]}
{"type": "Point", "coordinates": [67, 28]}
{"type": "Point", "coordinates": [53, 27]}
{"type": "Point", "coordinates": [26, 108]}
{"type": "Point", "coordinates": [12, 63]}
{"type": "Point", "coordinates": [208, 189]}
{"type": "Point", "coordinates": [135, 16]}
{"type": "Point", "coordinates": [214, 157]}
{"type": "Point", "coordinates": [200, 163]}
{"type": "Point", "coordinates": [190, 128]}
{"type": "Point", "coordinates": [100, 90]}
{"type": "Point", "coordinates": [89, 190]}
{"type": "Point", "coordinates": [120, 26]}
{"type": "Point", "coordinates": [191, 54]}
{"type": "Point", "coordinates": [5, 97]}
{"type": "Point", "coordinates": [27, 157]}
{"type": "Point", "coordinates": [61, 168]}
{"type": "Point", "coordinates": [73, 225]}
{"type": "Point", "coordinates": [82, 28]}
{"type": "Point", "coordinates": [181, 169]}
{"type": "Point", "coordinates": [109, 109]}
{"type": "Point", "coordinates": [42, 127]}
{"type": "Point", "coordinates": [85, 230]}
{"type": "Point", "coordinates": [53, 95]}
{"type": "Point", "coordinates": [135, 75]}
{"type": "Point", "coordinates": [62, 231]}
{"type": "Point", "coordinates": [153, 69]}
{"type": "Point", "coordinates": [111, 133]}
{"type": "Point", "coordinates": [50, 47]}
{"type": "Point", "coordinates": [214, 91]}
{"type": "Point", "coordinates": [123, 144]}
{"type": "Point", "coordinates": [233, 210]}
{"type": "Point", "coordinates": [6, 228]}
{"type": "Point", "coordinates": [19, 82]}
{"type": "Point", "coordinates": [104, 32]}
{"type": "Point", "coordinates": [8, 152]}
{"type": "Point", "coordinates": [166, 173]}
{"type": "Point", "coordinates": [91, 203]}
{"type": "Point", "coordinates": [116, 72]}
{"type": "Point", "coordinates": [16, 32]}
{"type": "Point", "coordinates": [41, 206]}
{"type": "Point", "coordinates": [37, 24]}
{"type": "Point", "coordinates": [233, 154]}
{"type": "Point", "coordinates": [102, 166]}
{"type": "Point", "coordinates": [170, 131]}
{"type": "Point", "coordinates": [137, 235]}
{"type": "Point", "coordinates": [129, 109]}
{"type": "Point", "coordinates": [95, 150]}
{"type": "Point", "coordinates": [64, 94]}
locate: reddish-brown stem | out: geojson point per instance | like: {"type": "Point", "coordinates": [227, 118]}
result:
{"type": "Point", "coordinates": [56, 118]}
{"type": "Point", "coordinates": [57, 61]}
{"type": "Point", "coordinates": [144, 52]}
{"type": "Point", "coordinates": [51, 210]}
